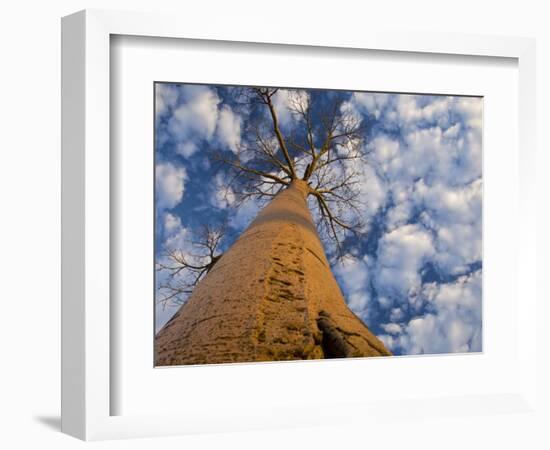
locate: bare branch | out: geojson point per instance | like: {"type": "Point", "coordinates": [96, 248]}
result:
{"type": "Point", "coordinates": [183, 270]}
{"type": "Point", "coordinates": [240, 167]}
{"type": "Point", "coordinates": [324, 142]}
{"type": "Point", "coordinates": [266, 95]}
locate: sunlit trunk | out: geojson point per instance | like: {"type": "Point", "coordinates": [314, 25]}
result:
{"type": "Point", "coordinates": [272, 296]}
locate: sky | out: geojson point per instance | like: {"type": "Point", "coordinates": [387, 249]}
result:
{"type": "Point", "coordinates": [415, 278]}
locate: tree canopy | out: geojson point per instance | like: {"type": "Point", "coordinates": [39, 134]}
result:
{"type": "Point", "coordinates": [324, 146]}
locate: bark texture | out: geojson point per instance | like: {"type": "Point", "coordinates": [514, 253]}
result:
{"type": "Point", "coordinates": [271, 297]}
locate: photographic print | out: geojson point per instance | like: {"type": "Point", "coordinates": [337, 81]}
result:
{"type": "Point", "coordinates": [306, 224]}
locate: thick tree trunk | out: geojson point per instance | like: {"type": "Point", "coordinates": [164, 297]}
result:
{"type": "Point", "coordinates": [272, 296]}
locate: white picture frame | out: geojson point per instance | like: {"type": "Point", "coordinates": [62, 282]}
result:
{"type": "Point", "coordinates": [86, 221]}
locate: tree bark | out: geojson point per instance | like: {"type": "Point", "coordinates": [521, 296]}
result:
{"type": "Point", "coordinates": [272, 296]}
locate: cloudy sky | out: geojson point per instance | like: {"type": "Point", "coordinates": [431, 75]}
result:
{"type": "Point", "coordinates": [416, 277]}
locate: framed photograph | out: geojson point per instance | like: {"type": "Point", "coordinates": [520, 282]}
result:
{"type": "Point", "coordinates": [255, 225]}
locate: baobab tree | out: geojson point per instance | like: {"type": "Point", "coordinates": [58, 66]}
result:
{"type": "Point", "coordinates": [272, 294]}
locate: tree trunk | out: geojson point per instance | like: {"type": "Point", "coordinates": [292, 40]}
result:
{"type": "Point", "coordinates": [272, 296]}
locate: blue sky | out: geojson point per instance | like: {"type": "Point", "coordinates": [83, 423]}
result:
{"type": "Point", "coordinates": [415, 278]}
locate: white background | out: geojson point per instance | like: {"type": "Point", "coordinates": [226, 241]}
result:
{"type": "Point", "coordinates": [29, 109]}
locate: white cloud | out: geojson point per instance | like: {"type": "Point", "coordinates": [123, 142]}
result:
{"type": "Point", "coordinates": [353, 274]}
{"type": "Point", "coordinates": [353, 271]}
{"type": "Point", "coordinates": [396, 315]}
{"type": "Point", "coordinates": [187, 148]}
{"type": "Point", "coordinates": [454, 326]}
{"type": "Point", "coordinates": [456, 218]}
{"type": "Point", "coordinates": [398, 215]}
{"type": "Point", "coordinates": [458, 245]}
{"type": "Point", "coordinates": [371, 103]}
{"type": "Point", "coordinates": [358, 302]}
{"type": "Point", "coordinates": [166, 97]}
{"type": "Point", "coordinates": [433, 168]}
{"type": "Point", "coordinates": [286, 98]}
{"type": "Point", "coordinates": [385, 150]}
{"type": "Point", "coordinates": [371, 192]}
{"type": "Point", "coordinates": [170, 184]}
{"type": "Point", "coordinates": [197, 116]}
{"type": "Point", "coordinates": [430, 169]}
{"type": "Point", "coordinates": [471, 109]}
{"type": "Point", "coordinates": [172, 223]}
{"type": "Point", "coordinates": [223, 195]}
{"type": "Point", "coordinates": [401, 254]}
{"type": "Point", "coordinates": [412, 110]}
{"type": "Point", "coordinates": [459, 204]}
{"type": "Point", "coordinates": [392, 328]}
{"type": "Point", "coordinates": [416, 108]}
{"type": "Point", "coordinates": [245, 214]}
{"type": "Point", "coordinates": [427, 153]}
{"type": "Point", "coordinates": [281, 103]}
{"type": "Point", "coordinates": [175, 235]}
{"type": "Point", "coordinates": [452, 132]}
{"type": "Point", "coordinates": [371, 189]}
{"type": "Point", "coordinates": [229, 128]}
